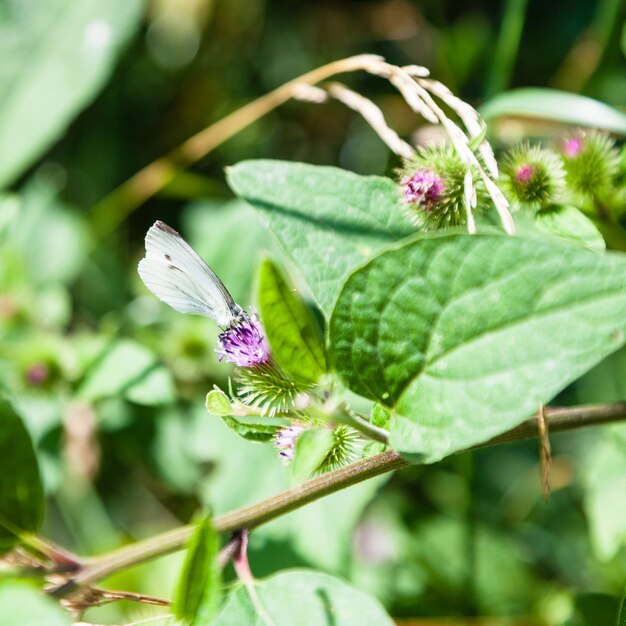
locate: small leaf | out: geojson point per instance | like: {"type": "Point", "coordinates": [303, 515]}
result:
{"type": "Point", "coordinates": [312, 446]}
{"type": "Point", "coordinates": [255, 428]}
{"type": "Point", "coordinates": [381, 416]}
{"type": "Point", "coordinates": [465, 336]}
{"type": "Point", "coordinates": [293, 333]}
{"type": "Point", "coordinates": [22, 605]}
{"type": "Point", "coordinates": [199, 589]}
{"type": "Point", "coordinates": [305, 598]}
{"type": "Point", "coordinates": [558, 106]}
{"type": "Point", "coordinates": [328, 220]}
{"type": "Point", "coordinates": [21, 493]}
{"type": "Point", "coordinates": [217, 402]}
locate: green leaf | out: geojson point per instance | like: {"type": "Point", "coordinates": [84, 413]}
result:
{"type": "Point", "coordinates": [217, 402]}
{"type": "Point", "coordinates": [126, 367]}
{"type": "Point", "coordinates": [251, 427]}
{"type": "Point", "coordinates": [328, 220]}
{"type": "Point", "coordinates": [292, 331]}
{"type": "Point", "coordinates": [255, 428]}
{"type": "Point", "coordinates": [621, 620]}
{"type": "Point", "coordinates": [571, 226]}
{"type": "Point", "coordinates": [312, 446]}
{"type": "Point", "coordinates": [21, 605]}
{"type": "Point", "coordinates": [57, 54]}
{"type": "Point", "coordinates": [305, 598]}
{"type": "Point", "coordinates": [560, 225]}
{"type": "Point", "coordinates": [467, 335]}
{"type": "Point", "coordinates": [199, 590]}
{"type": "Point", "coordinates": [554, 105]}
{"type": "Point", "coordinates": [21, 493]}
{"type": "Point", "coordinates": [604, 469]}
{"type": "Point", "coordinates": [48, 239]}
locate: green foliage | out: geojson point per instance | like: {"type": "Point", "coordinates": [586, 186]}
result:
{"type": "Point", "coordinates": [328, 220]}
{"type": "Point", "coordinates": [552, 104]}
{"type": "Point", "coordinates": [604, 469]}
{"type": "Point", "coordinates": [293, 333]}
{"type": "Point", "coordinates": [77, 329]}
{"type": "Point", "coordinates": [128, 368]}
{"type": "Point", "coordinates": [304, 597]}
{"type": "Point", "coordinates": [466, 336]}
{"type": "Point", "coordinates": [22, 605]}
{"type": "Point", "coordinates": [21, 493]}
{"type": "Point", "coordinates": [70, 49]}
{"type": "Point", "coordinates": [312, 447]}
{"type": "Point", "coordinates": [199, 589]}
{"type": "Point", "coordinates": [569, 224]}
{"type": "Point", "coordinates": [255, 428]}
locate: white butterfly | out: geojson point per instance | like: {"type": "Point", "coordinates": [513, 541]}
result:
{"type": "Point", "coordinates": [176, 274]}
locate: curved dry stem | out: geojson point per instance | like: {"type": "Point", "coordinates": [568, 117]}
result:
{"type": "Point", "coordinates": [114, 208]}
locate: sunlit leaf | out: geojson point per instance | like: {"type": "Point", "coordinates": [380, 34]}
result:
{"type": "Point", "coordinates": [558, 106]}
{"type": "Point", "coordinates": [293, 333]}
{"type": "Point", "coordinates": [328, 220]}
{"type": "Point", "coordinates": [467, 335]}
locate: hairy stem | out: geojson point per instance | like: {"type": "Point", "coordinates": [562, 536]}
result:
{"type": "Point", "coordinates": [252, 516]}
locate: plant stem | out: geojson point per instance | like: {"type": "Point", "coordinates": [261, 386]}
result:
{"type": "Point", "coordinates": [364, 426]}
{"type": "Point", "coordinates": [252, 516]}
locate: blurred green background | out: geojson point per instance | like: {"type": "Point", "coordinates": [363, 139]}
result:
{"type": "Point", "coordinates": [111, 383]}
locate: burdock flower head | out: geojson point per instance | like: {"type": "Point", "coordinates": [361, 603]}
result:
{"type": "Point", "coordinates": [286, 441]}
{"type": "Point", "coordinates": [433, 183]}
{"type": "Point", "coordinates": [533, 176]}
{"type": "Point", "coordinates": [244, 342]}
{"type": "Point", "coordinates": [424, 188]}
{"type": "Point", "coordinates": [591, 162]}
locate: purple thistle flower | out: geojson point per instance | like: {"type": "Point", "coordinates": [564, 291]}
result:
{"type": "Point", "coordinates": [572, 147]}
{"type": "Point", "coordinates": [286, 441]}
{"type": "Point", "coordinates": [37, 374]}
{"type": "Point", "coordinates": [244, 343]}
{"type": "Point", "coordinates": [425, 187]}
{"type": "Point", "coordinates": [525, 173]}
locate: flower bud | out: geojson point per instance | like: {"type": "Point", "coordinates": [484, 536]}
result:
{"type": "Point", "coordinates": [591, 162]}
{"type": "Point", "coordinates": [532, 176]}
{"type": "Point", "coordinates": [433, 188]}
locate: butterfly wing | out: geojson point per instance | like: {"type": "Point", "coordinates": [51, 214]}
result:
{"type": "Point", "coordinates": [177, 275]}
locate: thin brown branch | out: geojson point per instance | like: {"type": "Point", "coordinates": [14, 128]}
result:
{"type": "Point", "coordinates": [252, 516]}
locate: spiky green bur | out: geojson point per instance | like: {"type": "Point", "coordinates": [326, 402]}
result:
{"type": "Point", "coordinates": [267, 388]}
{"type": "Point", "coordinates": [591, 162]}
{"type": "Point", "coordinates": [433, 188]}
{"type": "Point", "coordinates": [532, 176]}
{"type": "Point", "coordinates": [345, 448]}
